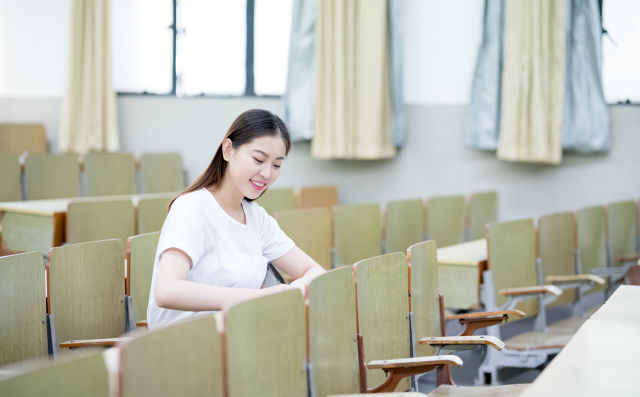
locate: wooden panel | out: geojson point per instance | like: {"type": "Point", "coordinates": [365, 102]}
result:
{"type": "Point", "coordinates": [592, 237]}
{"type": "Point", "coordinates": [318, 196]}
{"type": "Point", "coordinates": [310, 229]}
{"type": "Point", "coordinates": [333, 349]}
{"type": "Point", "coordinates": [70, 375]}
{"type": "Point", "coordinates": [86, 290]}
{"type": "Point", "coordinates": [383, 311]}
{"type": "Point", "coordinates": [10, 178]}
{"type": "Point", "coordinates": [277, 200]}
{"type": "Point", "coordinates": [512, 259]}
{"type": "Point", "coordinates": [23, 328]}
{"type": "Point", "coordinates": [90, 220]}
{"type": "Point", "coordinates": [483, 209]}
{"type": "Point", "coordinates": [109, 173]}
{"type": "Point", "coordinates": [184, 359]}
{"type": "Point", "coordinates": [17, 138]}
{"type": "Point", "coordinates": [445, 219]}
{"type": "Point", "coordinates": [161, 172]}
{"type": "Point", "coordinates": [623, 229]}
{"type": "Point", "coordinates": [358, 232]}
{"type": "Point", "coordinates": [152, 212]}
{"type": "Point", "coordinates": [142, 253]}
{"type": "Point", "coordinates": [404, 224]}
{"type": "Point", "coordinates": [48, 176]}
{"type": "Point", "coordinates": [557, 242]}
{"type": "Point", "coordinates": [28, 232]}
{"type": "Point", "coordinates": [266, 346]}
{"type": "Point", "coordinates": [424, 294]}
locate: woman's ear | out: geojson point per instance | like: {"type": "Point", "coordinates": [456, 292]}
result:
{"type": "Point", "coordinates": [227, 148]}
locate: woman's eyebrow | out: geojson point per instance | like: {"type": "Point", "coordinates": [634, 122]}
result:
{"type": "Point", "coordinates": [266, 155]}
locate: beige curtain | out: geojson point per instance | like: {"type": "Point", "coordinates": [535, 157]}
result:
{"type": "Point", "coordinates": [89, 120]}
{"type": "Point", "coordinates": [533, 81]}
{"type": "Point", "coordinates": [352, 115]}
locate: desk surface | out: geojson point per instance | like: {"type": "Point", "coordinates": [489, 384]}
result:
{"type": "Point", "coordinates": [467, 254]}
{"type": "Point", "coordinates": [602, 359]}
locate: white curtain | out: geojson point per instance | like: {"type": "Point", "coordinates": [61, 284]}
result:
{"type": "Point", "coordinates": [89, 117]}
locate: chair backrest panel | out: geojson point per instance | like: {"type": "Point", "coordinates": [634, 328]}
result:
{"type": "Point", "coordinates": [161, 172]}
{"type": "Point", "coordinates": [357, 231]}
{"type": "Point", "coordinates": [277, 200]}
{"type": "Point", "coordinates": [86, 290]}
{"type": "Point", "coordinates": [483, 209]}
{"type": "Point", "coordinates": [623, 229]}
{"type": "Point", "coordinates": [318, 196]}
{"type": "Point", "coordinates": [50, 176]}
{"type": "Point", "coordinates": [99, 219]}
{"type": "Point", "coordinates": [23, 328]}
{"type": "Point", "coordinates": [17, 138]}
{"type": "Point", "coordinates": [592, 237]}
{"type": "Point", "coordinates": [266, 346]}
{"type": "Point", "coordinates": [10, 178]}
{"type": "Point", "coordinates": [152, 213]}
{"type": "Point", "coordinates": [310, 229]}
{"type": "Point", "coordinates": [182, 359]}
{"type": "Point", "coordinates": [382, 287]}
{"type": "Point", "coordinates": [109, 174]}
{"type": "Point", "coordinates": [445, 220]}
{"type": "Point", "coordinates": [141, 257]}
{"type": "Point", "coordinates": [512, 259]}
{"type": "Point", "coordinates": [404, 224]}
{"type": "Point", "coordinates": [556, 248]}
{"type": "Point", "coordinates": [425, 304]}
{"type": "Point", "coordinates": [333, 348]}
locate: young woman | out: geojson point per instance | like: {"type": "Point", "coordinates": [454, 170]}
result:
{"type": "Point", "coordinates": [216, 242]}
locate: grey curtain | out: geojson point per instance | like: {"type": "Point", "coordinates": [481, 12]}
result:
{"type": "Point", "coordinates": [482, 128]}
{"type": "Point", "coordinates": [586, 122]}
{"type": "Point", "coordinates": [398, 107]}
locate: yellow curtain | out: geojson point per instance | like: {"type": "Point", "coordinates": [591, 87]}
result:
{"type": "Point", "coordinates": [533, 81]}
{"type": "Point", "coordinates": [89, 118]}
{"type": "Point", "coordinates": [352, 115]}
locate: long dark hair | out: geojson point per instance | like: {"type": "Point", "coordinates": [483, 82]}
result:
{"type": "Point", "coordinates": [246, 127]}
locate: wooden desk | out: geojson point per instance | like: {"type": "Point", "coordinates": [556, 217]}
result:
{"type": "Point", "coordinates": [460, 270]}
{"type": "Point", "coordinates": [37, 225]}
{"type": "Point", "coordinates": [602, 358]}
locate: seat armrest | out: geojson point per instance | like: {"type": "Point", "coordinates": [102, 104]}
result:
{"type": "Point", "coordinates": [469, 316]}
{"type": "Point", "coordinates": [632, 257]}
{"type": "Point", "coordinates": [575, 278]}
{"type": "Point", "coordinates": [142, 323]}
{"type": "Point", "coordinates": [106, 342]}
{"type": "Point", "coordinates": [463, 340]}
{"type": "Point", "coordinates": [398, 369]}
{"type": "Point", "coordinates": [475, 321]}
{"type": "Point", "coordinates": [534, 290]}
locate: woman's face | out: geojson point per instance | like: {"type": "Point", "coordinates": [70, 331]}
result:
{"type": "Point", "coordinates": [254, 166]}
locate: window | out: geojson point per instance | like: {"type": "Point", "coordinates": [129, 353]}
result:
{"type": "Point", "coordinates": [620, 51]}
{"type": "Point", "coordinates": [200, 47]}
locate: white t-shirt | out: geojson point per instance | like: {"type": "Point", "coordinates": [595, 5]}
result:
{"type": "Point", "coordinates": [223, 251]}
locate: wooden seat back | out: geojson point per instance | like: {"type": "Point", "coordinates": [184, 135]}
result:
{"type": "Point", "coordinates": [512, 260]}
{"type": "Point", "coordinates": [404, 224]}
{"type": "Point", "coordinates": [49, 176]}
{"type": "Point", "coordinates": [17, 138]}
{"type": "Point", "coordinates": [592, 239]}
{"type": "Point", "coordinates": [318, 196]}
{"type": "Point", "coordinates": [482, 210]}
{"type": "Point", "coordinates": [277, 200]}
{"type": "Point", "coordinates": [425, 294]}
{"type": "Point", "coordinates": [623, 229]}
{"type": "Point", "coordinates": [445, 220]}
{"type": "Point", "coordinates": [10, 178]}
{"type": "Point", "coordinates": [141, 254]}
{"type": "Point", "coordinates": [332, 328]}
{"type": "Point", "coordinates": [357, 231]}
{"type": "Point", "coordinates": [152, 213]}
{"type": "Point", "coordinates": [556, 247]}
{"type": "Point", "coordinates": [73, 375]}
{"type": "Point", "coordinates": [161, 172]}
{"type": "Point", "coordinates": [86, 290]}
{"type": "Point", "coordinates": [98, 219]}
{"type": "Point", "coordinates": [310, 229]}
{"type": "Point", "coordinates": [266, 346]}
{"type": "Point", "coordinates": [383, 311]}
{"type": "Point", "coordinates": [182, 359]}
{"type": "Point", "coordinates": [23, 327]}
{"type": "Point", "coordinates": [109, 174]}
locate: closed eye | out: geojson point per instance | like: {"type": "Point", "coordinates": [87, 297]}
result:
{"type": "Point", "coordinates": [258, 160]}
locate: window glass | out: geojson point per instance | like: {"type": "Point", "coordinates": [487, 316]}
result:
{"type": "Point", "coordinates": [272, 22]}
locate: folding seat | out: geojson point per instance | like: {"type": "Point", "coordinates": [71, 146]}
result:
{"type": "Point", "coordinates": [317, 196]}
{"type": "Point", "coordinates": [161, 172]}
{"type": "Point", "coordinates": [50, 176]}
{"type": "Point", "coordinates": [622, 224]}
{"type": "Point", "coordinates": [10, 178]}
{"type": "Point", "coordinates": [141, 252]}
{"type": "Point", "coordinates": [91, 219]}
{"type": "Point", "coordinates": [152, 212]}
{"type": "Point", "coordinates": [482, 210]}
{"type": "Point", "coordinates": [18, 138]}
{"type": "Point", "coordinates": [357, 232]}
{"type": "Point", "coordinates": [281, 199]}
{"type": "Point", "coordinates": [403, 225]}
{"type": "Point", "coordinates": [593, 251]}
{"type": "Point", "coordinates": [310, 229]}
{"type": "Point", "coordinates": [109, 174]}
{"type": "Point", "coordinates": [445, 220]}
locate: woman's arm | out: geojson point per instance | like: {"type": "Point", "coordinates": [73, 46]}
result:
{"type": "Point", "coordinates": [300, 266]}
{"type": "Point", "coordinates": [173, 291]}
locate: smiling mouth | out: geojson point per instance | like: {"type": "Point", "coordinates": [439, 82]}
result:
{"type": "Point", "coordinates": [258, 185]}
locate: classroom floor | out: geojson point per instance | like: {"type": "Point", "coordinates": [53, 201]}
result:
{"type": "Point", "coordinates": [466, 375]}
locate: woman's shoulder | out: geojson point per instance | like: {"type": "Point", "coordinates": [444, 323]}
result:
{"type": "Point", "coordinates": [191, 199]}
